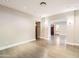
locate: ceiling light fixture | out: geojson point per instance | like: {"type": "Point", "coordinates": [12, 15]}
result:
{"type": "Point", "coordinates": [43, 4]}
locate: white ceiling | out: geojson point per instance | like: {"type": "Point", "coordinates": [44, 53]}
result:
{"type": "Point", "coordinates": [33, 6]}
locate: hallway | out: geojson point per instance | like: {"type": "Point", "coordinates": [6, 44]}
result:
{"type": "Point", "coordinates": [43, 29]}
{"type": "Point", "coordinates": [58, 40]}
{"type": "Point", "coordinates": [41, 49]}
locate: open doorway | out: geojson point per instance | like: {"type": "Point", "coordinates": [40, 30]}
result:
{"type": "Point", "coordinates": [37, 30]}
{"type": "Point", "coordinates": [52, 30]}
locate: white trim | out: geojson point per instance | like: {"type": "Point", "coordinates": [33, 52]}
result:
{"type": "Point", "coordinates": [15, 44]}
{"type": "Point", "coordinates": [76, 44]}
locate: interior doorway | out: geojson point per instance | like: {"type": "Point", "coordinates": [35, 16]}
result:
{"type": "Point", "coordinates": [52, 30]}
{"type": "Point", "coordinates": [37, 29]}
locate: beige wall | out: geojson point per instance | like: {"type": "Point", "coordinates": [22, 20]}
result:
{"type": "Point", "coordinates": [73, 28]}
{"type": "Point", "coordinates": [70, 27]}
{"type": "Point", "coordinates": [15, 27]}
{"type": "Point", "coordinates": [76, 34]}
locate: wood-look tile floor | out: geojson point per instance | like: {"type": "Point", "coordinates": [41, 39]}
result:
{"type": "Point", "coordinates": [40, 49]}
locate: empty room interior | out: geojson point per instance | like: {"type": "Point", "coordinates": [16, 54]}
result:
{"type": "Point", "coordinates": [39, 28]}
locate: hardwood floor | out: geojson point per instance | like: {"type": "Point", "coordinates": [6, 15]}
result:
{"type": "Point", "coordinates": [40, 49]}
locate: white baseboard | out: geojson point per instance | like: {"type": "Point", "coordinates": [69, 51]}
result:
{"type": "Point", "coordinates": [76, 44]}
{"type": "Point", "coordinates": [15, 44]}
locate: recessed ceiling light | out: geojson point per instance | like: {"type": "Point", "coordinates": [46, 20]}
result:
{"type": "Point", "coordinates": [24, 7]}
{"type": "Point", "coordinates": [7, 0]}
